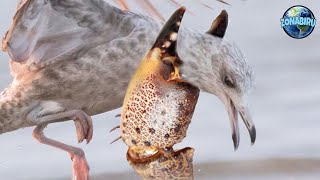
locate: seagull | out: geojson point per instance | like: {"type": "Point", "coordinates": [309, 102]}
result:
{"type": "Point", "coordinates": [71, 59]}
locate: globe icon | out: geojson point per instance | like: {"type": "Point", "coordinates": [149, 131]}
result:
{"type": "Point", "coordinates": [298, 31]}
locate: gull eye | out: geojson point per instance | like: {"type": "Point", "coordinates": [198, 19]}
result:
{"type": "Point", "coordinates": [229, 82]}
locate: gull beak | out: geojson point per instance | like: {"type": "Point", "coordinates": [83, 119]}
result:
{"type": "Point", "coordinates": [233, 111]}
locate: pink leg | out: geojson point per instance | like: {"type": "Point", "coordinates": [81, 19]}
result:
{"type": "Point", "coordinates": [84, 128]}
{"type": "Point", "coordinates": [80, 165]}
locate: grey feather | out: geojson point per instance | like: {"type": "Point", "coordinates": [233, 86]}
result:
{"type": "Point", "coordinates": [85, 56]}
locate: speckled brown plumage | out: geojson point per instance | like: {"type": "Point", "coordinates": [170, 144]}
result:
{"type": "Point", "coordinates": [72, 59]}
{"type": "Point", "coordinates": [80, 54]}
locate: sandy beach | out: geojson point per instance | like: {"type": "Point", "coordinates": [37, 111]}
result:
{"type": "Point", "coordinates": [285, 108]}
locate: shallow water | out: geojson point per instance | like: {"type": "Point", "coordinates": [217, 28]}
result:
{"type": "Point", "coordinates": [285, 107]}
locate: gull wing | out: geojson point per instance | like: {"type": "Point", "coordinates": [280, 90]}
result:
{"type": "Point", "coordinates": [44, 31]}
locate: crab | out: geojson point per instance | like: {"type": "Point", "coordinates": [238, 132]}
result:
{"type": "Point", "coordinates": [158, 105]}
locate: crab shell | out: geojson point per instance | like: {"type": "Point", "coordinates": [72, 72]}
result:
{"type": "Point", "coordinates": [156, 111]}
{"type": "Point", "coordinates": [176, 165]}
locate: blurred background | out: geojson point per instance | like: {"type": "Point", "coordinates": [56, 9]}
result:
{"type": "Point", "coordinates": [285, 106]}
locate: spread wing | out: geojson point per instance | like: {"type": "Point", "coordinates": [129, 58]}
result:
{"type": "Point", "coordinates": [45, 31]}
